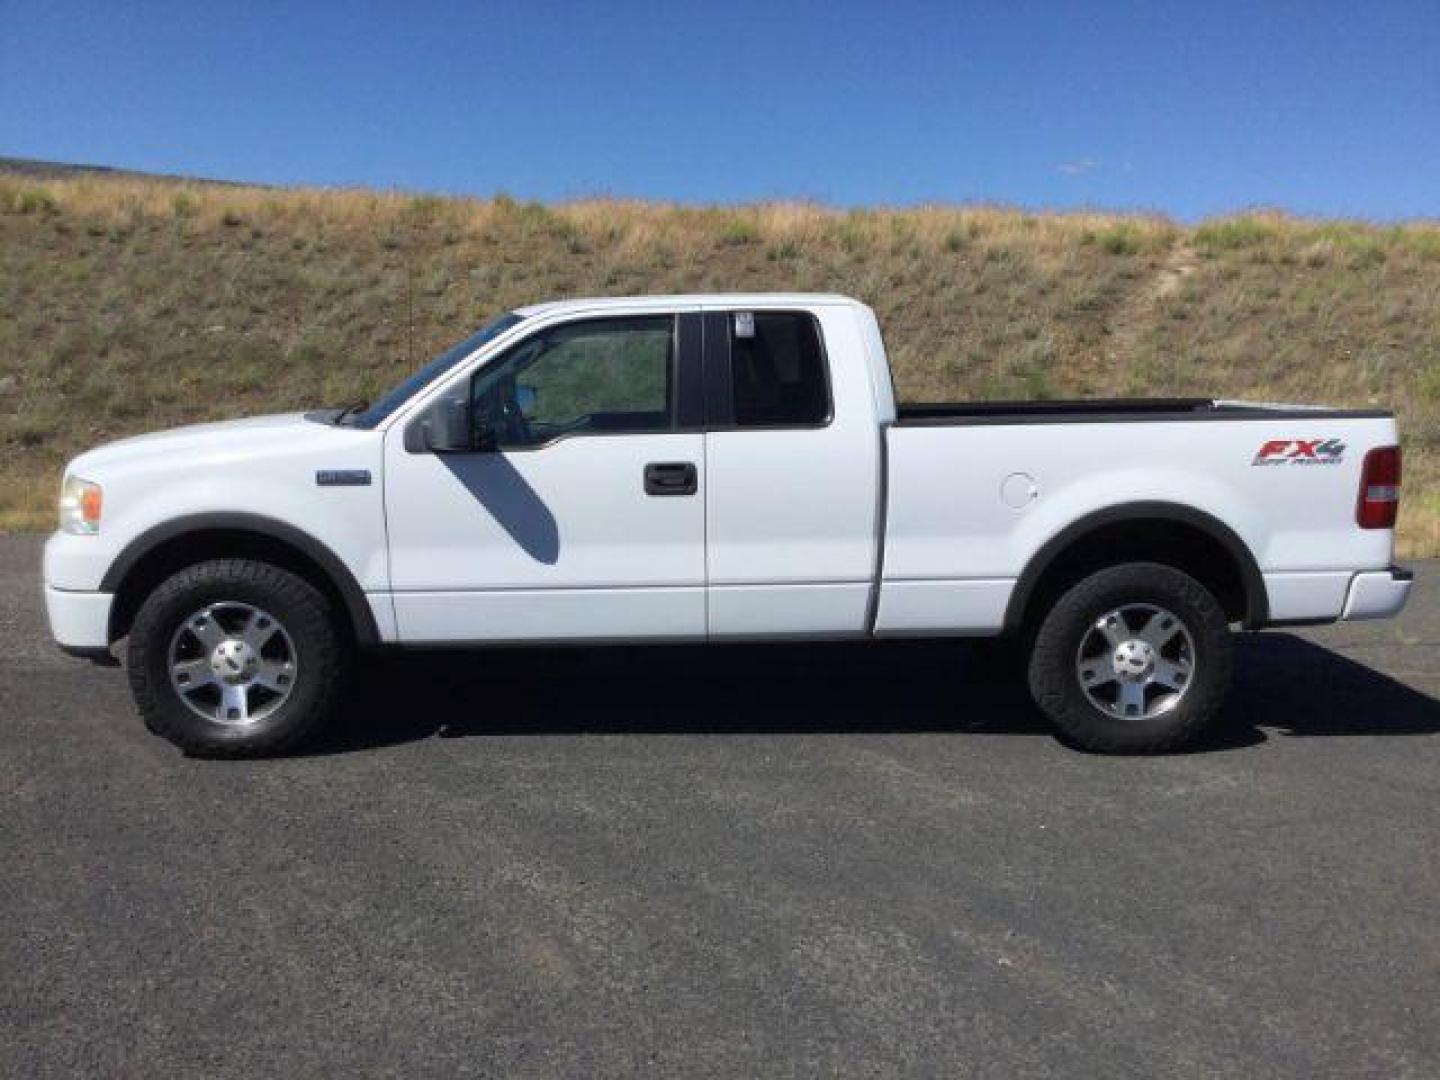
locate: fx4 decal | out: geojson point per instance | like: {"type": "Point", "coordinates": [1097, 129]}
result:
{"type": "Point", "coordinates": [1300, 452]}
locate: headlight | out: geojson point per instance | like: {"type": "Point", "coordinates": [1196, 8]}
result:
{"type": "Point", "coordinates": [80, 503]}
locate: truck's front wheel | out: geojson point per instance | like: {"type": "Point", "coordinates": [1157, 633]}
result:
{"type": "Point", "coordinates": [236, 658]}
{"type": "Point", "coordinates": [1132, 659]}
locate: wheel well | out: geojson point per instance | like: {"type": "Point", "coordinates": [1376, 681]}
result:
{"type": "Point", "coordinates": [175, 553]}
{"type": "Point", "coordinates": [1186, 546]}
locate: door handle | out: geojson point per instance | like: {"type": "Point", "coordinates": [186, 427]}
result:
{"type": "Point", "coordinates": [670, 478]}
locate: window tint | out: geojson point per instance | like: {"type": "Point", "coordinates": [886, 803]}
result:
{"type": "Point", "coordinates": [602, 376]}
{"type": "Point", "coordinates": [778, 368]}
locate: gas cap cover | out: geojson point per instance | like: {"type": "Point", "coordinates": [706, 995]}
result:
{"type": "Point", "coordinates": [1019, 490]}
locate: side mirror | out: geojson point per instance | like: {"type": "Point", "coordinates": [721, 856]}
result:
{"type": "Point", "coordinates": [525, 399]}
{"type": "Point", "coordinates": [445, 426]}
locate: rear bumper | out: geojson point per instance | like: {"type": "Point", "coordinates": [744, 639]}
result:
{"type": "Point", "coordinates": [1378, 594]}
{"type": "Point", "coordinates": [79, 621]}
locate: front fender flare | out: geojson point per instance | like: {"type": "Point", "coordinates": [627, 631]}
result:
{"type": "Point", "coordinates": [357, 607]}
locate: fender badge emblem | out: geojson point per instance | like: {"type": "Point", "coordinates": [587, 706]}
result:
{"type": "Point", "coordinates": [343, 477]}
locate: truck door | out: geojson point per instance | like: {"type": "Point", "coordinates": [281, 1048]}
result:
{"type": "Point", "coordinates": [583, 517]}
{"type": "Point", "coordinates": [793, 469]}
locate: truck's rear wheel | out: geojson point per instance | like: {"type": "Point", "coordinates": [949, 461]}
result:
{"type": "Point", "coordinates": [1132, 659]}
{"type": "Point", "coordinates": [235, 658]}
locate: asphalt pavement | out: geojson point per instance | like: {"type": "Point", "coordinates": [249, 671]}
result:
{"type": "Point", "coordinates": [744, 861]}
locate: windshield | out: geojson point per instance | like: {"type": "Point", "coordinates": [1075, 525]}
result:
{"type": "Point", "coordinates": [430, 372]}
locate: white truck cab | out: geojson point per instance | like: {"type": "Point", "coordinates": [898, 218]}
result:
{"type": "Point", "coordinates": [709, 468]}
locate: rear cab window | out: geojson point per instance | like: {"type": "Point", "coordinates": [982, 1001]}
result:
{"type": "Point", "coordinates": [778, 371]}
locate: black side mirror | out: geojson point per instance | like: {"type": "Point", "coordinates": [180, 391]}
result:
{"type": "Point", "coordinates": [450, 425]}
{"type": "Point", "coordinates": [446, 426]}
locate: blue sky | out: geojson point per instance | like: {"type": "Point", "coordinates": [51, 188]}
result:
{"type": "Point", "coordinates": [1192, 108]}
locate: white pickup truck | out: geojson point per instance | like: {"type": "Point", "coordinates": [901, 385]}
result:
{"type": "Point", "coordinates": [713, 468]}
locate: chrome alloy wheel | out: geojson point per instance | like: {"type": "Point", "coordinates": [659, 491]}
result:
{"type": "Point", "coordinates": [1136, 662]}
{"type": "Point", "coordinates": [232, 663]}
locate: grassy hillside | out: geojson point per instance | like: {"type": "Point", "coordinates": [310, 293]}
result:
{"type": "Point", "coordinates": [128, 304]}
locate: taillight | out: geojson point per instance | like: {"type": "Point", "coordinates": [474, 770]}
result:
{"type": "Point", "coordinates": [1379, 488]}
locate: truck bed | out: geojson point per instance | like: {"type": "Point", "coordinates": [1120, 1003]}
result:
{"type": "Point", "coordinates": [975, 492]}
{"type": "Point", "coordinates": [1100, 410]}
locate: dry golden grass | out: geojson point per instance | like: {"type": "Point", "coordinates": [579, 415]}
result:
{"type": "Point", "coordinates": [128, 304]}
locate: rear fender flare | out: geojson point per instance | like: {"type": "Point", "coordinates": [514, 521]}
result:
{"type": "Point", "coordinates": [1256, 600]}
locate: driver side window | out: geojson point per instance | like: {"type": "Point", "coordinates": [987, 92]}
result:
{"type": "Point", "coordinates": [599, 376]}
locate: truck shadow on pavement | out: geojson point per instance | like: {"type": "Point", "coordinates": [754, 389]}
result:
{"type": "Point", "coordinates": [1283, 685]}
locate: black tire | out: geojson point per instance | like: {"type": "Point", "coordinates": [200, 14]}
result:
{"type": "Point", "coordinates": [1056, 685]}
{"type": "Point", "coordinates": [318, 637]}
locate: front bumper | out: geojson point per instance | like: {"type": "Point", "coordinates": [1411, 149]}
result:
{"type": "Point", "coordinates": [79, 621]}
{"type": "Point", "coordinates": [1378, 594]}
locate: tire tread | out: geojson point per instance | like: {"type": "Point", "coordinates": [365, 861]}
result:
{"type": "Point", "coordinates": [1051, 676]}
{"type": "Point", "coordinates": [327, 656]}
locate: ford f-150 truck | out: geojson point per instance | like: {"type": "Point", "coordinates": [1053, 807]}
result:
{"type": "Point", "coordinates": [707, 469]}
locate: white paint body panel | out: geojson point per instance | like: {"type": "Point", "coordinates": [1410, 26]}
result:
{"type": "Point", "coordinates": [513, 616]}
{"type": "Point", "coordinates": [947, 520]}
{"type": "Point", "coordinates": [786, 536]}
{"type": "Point", "coordinates": [1376, 596]}
{"type": "Point", "coordinates": [264, 466]}
{"type": "Point", "coordinates": [798, 507]}
{"type": "Point", "coordinates": [812, 610]}
{"type": "Point", "coordinates": [569, 524]}
{"type": "Point", "coordinates": [1309, 595]}
{"type": "Point", "coordinates": [78, 620]}
{"type": "Point", "coordinates": [942, 608]}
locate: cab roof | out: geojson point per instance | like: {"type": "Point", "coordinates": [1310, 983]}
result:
{"type": "Point", "coordinates": [685, 300]}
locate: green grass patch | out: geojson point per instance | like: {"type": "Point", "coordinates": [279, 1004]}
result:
{"type": "Point", "coordinates": [1233, 234]}
{"type": "Point", "coordinates": [32, 200]}
{"type": "Point", "coordinates": [1121, 240]}
{"type": "Point", "coordinates": [738, 232]}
